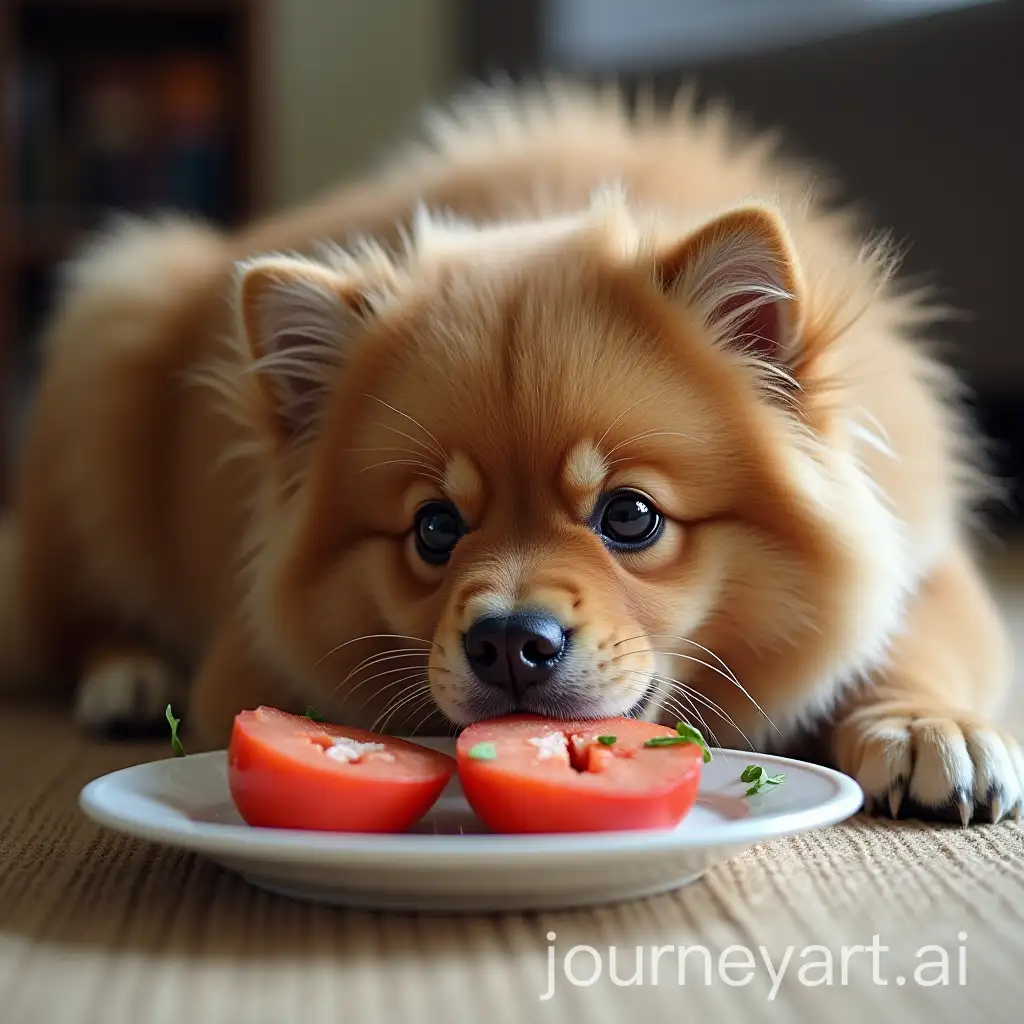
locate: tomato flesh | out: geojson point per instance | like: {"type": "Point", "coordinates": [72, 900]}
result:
{"type": "Point", "coordinates": [285, 771]}
{"type": "Point", "coordinates": [525, 773]}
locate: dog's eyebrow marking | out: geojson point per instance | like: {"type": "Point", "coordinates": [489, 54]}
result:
{"type": "Point", "coordinates": [464, 485]}
{"type": "Point", "coordinates": [583, 475]}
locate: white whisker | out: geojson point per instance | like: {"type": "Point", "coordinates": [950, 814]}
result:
{"type": "Point", "coordinates": [714, 707]}
{"type": "Point", "coordinates": [384, 687]}
{"type": "Point", "coordinates": [662, 701]}
{"type": "Point", "coordinates": [415, 698]}
{"type": "Point", "coordinates": [671, 702]}
{"type": "Point", "coordinates": [414, 684]}
{"type": "Point", "coordinates": [685, 640]}
{"type": "Point", "coordinates": [376, 659]}
{"type": "Point", "coordinates": [426, 718]}
{"type": "Point", "coordinates": [731, 679]}
{"type": "Point", "coordinates": [374, 636]}
{"type": "Point", "coordinates": [728, 678]}
{"type": "Point", "coordinates": [398, 412]}
{"type": "Point", "coordinates": [413, 690]}
{"type": "Point", "coordinates": [629, 409]}
{"type": "Point", "coordinates": [426, 448]}
{"type": "Point", "coordinates": [407, 451]}
{"type": "Point", "coordinates": [696, 695]}
{"type": "Point", "coordinates": [711, 706]}
{"type": "Point", "coordinates": [727, 674]}
{"type": "Point", "coordinates": [383, 674]}
{"type": "Point", "coordinates": [710, 653]}
{"type": "Point", "coordinates": [644, 435]}
{"type": "Point", "coordinates": [362, 682]}
{"type": "Point", "coordinates": [431, 472]}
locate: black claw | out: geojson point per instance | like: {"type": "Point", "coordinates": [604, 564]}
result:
{"type": "Point", "coordinates": [952, 811]}
{"type": "Point", "coordinates": [877, 806]}
{"type": "Point", "coordinates": [966, 807]}
{"type": "Point", "coordinates": [897, 795]}
{"type": "Point", "coordinates": [996, 805]}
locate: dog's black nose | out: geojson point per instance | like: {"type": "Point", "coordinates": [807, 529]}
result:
{"type": "Point", "coordinates": [515, 651]}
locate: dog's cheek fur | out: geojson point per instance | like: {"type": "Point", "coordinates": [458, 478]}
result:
{"type": "Point", "coordinates": [804, 595]}
{"type": "Point", "coordinates": [353, 618]}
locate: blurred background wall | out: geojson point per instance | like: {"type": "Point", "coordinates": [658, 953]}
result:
{"type": "Point", "coordinates": [350, 75]}
{"type": "Point", "coordinates": [233, 107]}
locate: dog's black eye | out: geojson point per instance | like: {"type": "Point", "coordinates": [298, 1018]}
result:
{"type": "Point", "coordinates": [438, 527]}
{"type": "Point", "coordinates": [628, 521]}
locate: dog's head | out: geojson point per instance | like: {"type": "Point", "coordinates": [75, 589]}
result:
{"type": "Point", "coordinates": [574, 467]}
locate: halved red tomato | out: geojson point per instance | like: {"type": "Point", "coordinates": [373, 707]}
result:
{"type": "Point", "coordinates": [290, 772]}
{"type": "Point", "coordinates": [530, 774]}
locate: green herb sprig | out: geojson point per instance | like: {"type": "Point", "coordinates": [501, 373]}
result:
{"type": "Point", "coordinates": [179, 750]}
{"type": "Point", "coordinates": [313, 715]}
{"type": "Point", "coordinates": [685, 734]}
{"type": "Point", "coordinates": [759, 779]}
{"type": "Point", "coordinates": [607, 741]}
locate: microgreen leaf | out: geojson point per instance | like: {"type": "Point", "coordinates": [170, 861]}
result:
{"type": "Point", "coordinates": [606, 741]}
{"type": "Point", "coordinates": [760, 778]}
{"type": "Point", "coordinates": [684, 740]}
{"type": "Point", "coordinates": [692, 735]}
{"type": "Point", "coordinates": [313, 715]}
{"type": "Point", "coordinates": [179, 750]}
{"type": "Point", "coordinates": [483, 752]}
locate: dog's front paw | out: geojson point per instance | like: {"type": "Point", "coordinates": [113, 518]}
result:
{"type": "Point", "coordinates": [939, 765]}
{"type": "Point", "coordinates": [126, 694]}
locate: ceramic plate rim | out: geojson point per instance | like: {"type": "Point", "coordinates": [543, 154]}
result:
{"type": "Point", "coordinates": [282, 845]}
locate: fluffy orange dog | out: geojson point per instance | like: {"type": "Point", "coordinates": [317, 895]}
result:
{"type": "Point", "coordinates": [592, 416]}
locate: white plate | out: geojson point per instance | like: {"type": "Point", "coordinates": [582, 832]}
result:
{"type": "Point", "coordinates": [450, 862]}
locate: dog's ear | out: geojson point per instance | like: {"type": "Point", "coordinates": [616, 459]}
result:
{"type": "Point", "coordinates": [300, 320]}
{"type": "Point", "coordinates": [739, 274]}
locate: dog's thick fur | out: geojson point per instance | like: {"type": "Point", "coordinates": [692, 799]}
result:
{"type": "Point", "coordinates": [549, 301]}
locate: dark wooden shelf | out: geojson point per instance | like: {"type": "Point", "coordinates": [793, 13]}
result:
{"type": "Point", "coordinates": [163, 6]}
{"type": "Point", "coordinates": [68, 42]}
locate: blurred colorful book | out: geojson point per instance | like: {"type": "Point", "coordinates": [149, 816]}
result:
{"type": "Point", "coordinates": [123, 135]}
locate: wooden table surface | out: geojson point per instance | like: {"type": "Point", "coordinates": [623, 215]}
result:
{"type": "Point", "coordinates": [98, 928]}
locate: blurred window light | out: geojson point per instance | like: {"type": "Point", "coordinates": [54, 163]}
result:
{"type": "Point", "coordinates": [624, 35]}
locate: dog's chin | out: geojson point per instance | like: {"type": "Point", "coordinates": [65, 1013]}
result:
{"type": "Point", "coordinates": [484, 702]}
